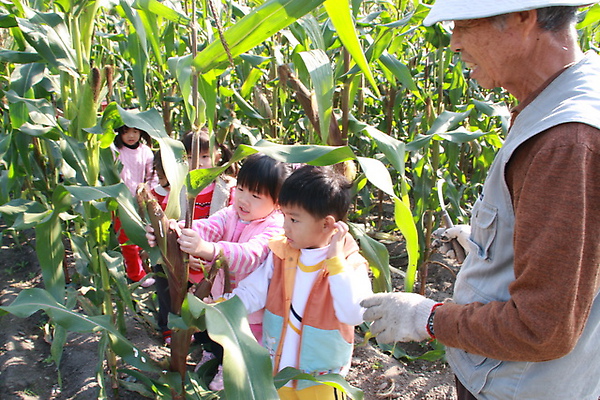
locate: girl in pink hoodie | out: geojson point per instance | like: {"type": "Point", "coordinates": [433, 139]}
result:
{"type": "Point", "coordinates": [136, 157]}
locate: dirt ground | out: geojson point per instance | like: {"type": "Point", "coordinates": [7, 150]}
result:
{"type": "Point", "coordinates": [25, 372]}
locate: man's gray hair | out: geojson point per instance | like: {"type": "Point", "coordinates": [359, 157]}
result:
{"type": "Point", "coordinates": [553, 19]}
{"type": "Point", "coordinates": [556, 18]}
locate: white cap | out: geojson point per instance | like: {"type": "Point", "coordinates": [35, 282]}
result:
{"type": "Point", "coordinates": [452, 10]}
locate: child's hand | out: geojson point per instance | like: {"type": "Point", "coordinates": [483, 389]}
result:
{"type": "Point", "coordinates": [191, 243]}
{"type": "Point", "coordinates": [150, 235]}
{"type": "Point", "coordinates": [195, 264]}
{"type": "Point", "coordinates": [336, 247]}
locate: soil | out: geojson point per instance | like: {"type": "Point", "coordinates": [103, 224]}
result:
{"type": "Point", "coordinates": [25, 372]}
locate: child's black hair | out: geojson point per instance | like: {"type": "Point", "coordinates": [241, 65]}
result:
{"type": "Point", "coordinates": [157, 164]}
{"type": "Point", "coordinates": [204, 144]}
{"type": "Point", "coordinates": [144, 136]}
{"type": "Point", "coordinates": [262, 174]}
{"type": "Point", "coordinates": [318, 190]}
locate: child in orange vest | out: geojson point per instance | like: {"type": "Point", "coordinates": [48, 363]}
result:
{"type": "Point", "coordinates": [311, 283]}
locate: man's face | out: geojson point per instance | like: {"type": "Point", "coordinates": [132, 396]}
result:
{"type": "Point", "coordinates": [487, 49]}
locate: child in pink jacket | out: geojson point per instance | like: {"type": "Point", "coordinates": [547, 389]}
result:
{"type": "Point", "coordinates": [239, 233]}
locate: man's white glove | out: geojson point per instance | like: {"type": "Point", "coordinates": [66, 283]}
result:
{"type": "Point", "coordinates": [398, 317]}
{"type": "Point", "coordinates": [442, 238]}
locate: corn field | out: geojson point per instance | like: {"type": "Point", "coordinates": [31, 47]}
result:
{"type": "Point", "coordinates": [304, 81]}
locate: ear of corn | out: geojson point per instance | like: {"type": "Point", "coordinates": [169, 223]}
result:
{"type": "Point", "coordinates": [166, 239]}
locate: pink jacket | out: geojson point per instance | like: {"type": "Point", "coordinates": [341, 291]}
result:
{"type": "Point", "coordinates": [137, 166]}
{"type": "Point", "coordinates": [243, 256]}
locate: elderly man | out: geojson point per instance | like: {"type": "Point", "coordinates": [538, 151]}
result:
{"type": "Point", "coordinates": [525, 322]}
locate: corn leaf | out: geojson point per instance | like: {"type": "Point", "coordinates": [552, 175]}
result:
{"type": "Point", "coordinates": [260, 24]}
{"type": "Point", "coordinates": [335, 380]}
{"type": "Point", "coordinates": [247, 368]}
{"type": "Point", "coordinates": [31, 300]}
{"type": "Point", "coordinates": [378, 257]}
{"type": "Point", "coordinates": [405, 222]}
{"type": "Point", "coordinates": [50, 37]}
{"type": "Point", "coordinates": [321, 73]}
{"type": "Point", "coordinates": [341, 17]}
{"type": "Point", "coordinates": [49, 245]}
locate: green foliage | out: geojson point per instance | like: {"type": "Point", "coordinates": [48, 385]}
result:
{"type": "Point", "coordinates": [73, 71]}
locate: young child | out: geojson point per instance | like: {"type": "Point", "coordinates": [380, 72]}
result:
{"type": "Point", "coordinates": [211, 199]}
{"type": "Point", "coordinates": [219, 194]}
{"type": "Point", "coordinates": [239, 234]}
{"type": "Point", "coordinates": [216, 196]}
{"type": "Point", "coordinates": [311, 283]}
{"type": "Point", "coordinates": [131, 147]}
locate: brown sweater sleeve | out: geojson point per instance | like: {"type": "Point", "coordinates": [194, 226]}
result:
{"type": "Point", "coordinates": [554, 180]}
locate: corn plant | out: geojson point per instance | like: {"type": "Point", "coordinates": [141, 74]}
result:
{"type": "Point", "coordinates": [361, 82]}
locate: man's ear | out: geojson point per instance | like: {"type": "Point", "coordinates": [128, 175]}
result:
{"type": "Point", "coordinates": [329, 222]}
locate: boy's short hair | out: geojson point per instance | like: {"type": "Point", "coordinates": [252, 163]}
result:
{"type": "Point", "coordinates": [321, 191]}
{"type": "Point", "coordinates": [262, 174]}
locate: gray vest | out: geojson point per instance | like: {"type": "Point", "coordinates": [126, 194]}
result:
{"type": "Point", "coordinates": [574, 96]}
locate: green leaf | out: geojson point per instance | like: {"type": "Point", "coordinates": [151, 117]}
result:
{"type": "Point", "coordinates": [150, 23]}
{"type": "Point", "coordinates": [460, 135]}
{"type": "Point", "coordinates": [181, 68]}
{"type": "Point", "coordinates": [260, 24]}
{"type": "Point", "coordinates": [592, 16]}
{"type": "Point", "coordinates": [138, 51]}
{"type": "Point", "coordinates": [377, 174]}
{"type": "Point", "coordinates": [447, 121]}
{"type": "Point", "coordinates": [49, 245]}
{"type": "Point", "coordinates": [24, 77]}
{"type": "Point", "coordinates": [309, 154]}
{"type": "Point", "coordinates": [39, 111]}
{"type": "Point", "coordinates": [245, 106]}
{"type": "Point", "coordinates": [378, 257]}
{"type": "Point", "coordinates": [22, 213]}
{"type": "Point", "coordinates": [7, 21]}
{"type": "Point", "coordinates": [31, 300]}
{"type": "Point", "coordinates": [50, 37]}
{"type": "Point", "coordinates": [19, 57]}
{"type": "Point", "coordinates": [161, 10]}
{"type": "Point", "coordinates": [247, 368]}
{"type": "Point", "coordinates": [131, 221]}
{"type": "Point", "coordinates": [393, 149]}
{"type": "Point", "coordinates": [399, 70]}
{"type": "Point", "coordinates": [341, 17]}
{"type": "Point", "coordinates": [405, 222]}
{"type": "Point", "coordinates": [321, 73]}
{"type": "Point", "coordinates": [335, 380]}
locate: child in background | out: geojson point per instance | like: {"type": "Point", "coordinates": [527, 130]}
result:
{"type": "Point", "coordinates": [219, 194]}
{"type": "Point", "coordinates": [161, 193]}
{"type": "Point", "coordinates": [311, 284]}
{"type": "Point", "coordinates": [240, 234]}
{"type": "Point", "coordinates": [131, 147]}
{"type": "Point", "coordinates": [211, 199]}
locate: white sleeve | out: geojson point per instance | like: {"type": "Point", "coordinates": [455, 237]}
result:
{"type": "Point", "coordinates": [348, 289]}
{"type": "Point", "coordinates": [253, 289]}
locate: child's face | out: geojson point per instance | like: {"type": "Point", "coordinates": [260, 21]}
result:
{"type": "Point", "coordinates": [204, 160]}
{"type": "Point", "coordinates": [304, 231]}
{"type": "Point", "coordinates": [251, 205]}
{"type": "Point", "coordinates": [131, 136]}
{"type": "Point", "coordinates": [162, 179]}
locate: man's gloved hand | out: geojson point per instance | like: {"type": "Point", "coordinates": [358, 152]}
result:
{"type": "Point", "coordinates": [398, 317]}
{"type": "Point", "coordinates": [442, 238]}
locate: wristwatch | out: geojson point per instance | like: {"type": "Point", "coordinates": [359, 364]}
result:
{"type": "Point", "coordinates": [430, 320]}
